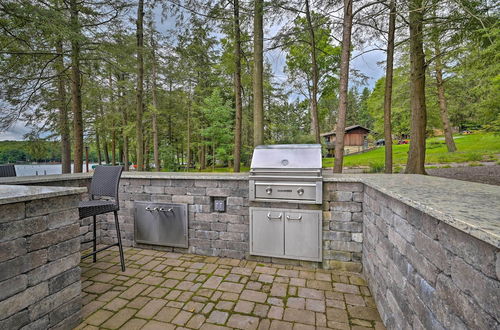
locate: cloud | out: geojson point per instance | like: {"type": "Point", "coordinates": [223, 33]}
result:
{"type": "Point", "coordinates": [15, 132]}
{"type": "Point", "coordinates": [367, 64]}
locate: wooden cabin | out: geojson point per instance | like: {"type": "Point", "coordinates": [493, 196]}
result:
{"type": "Point", "coordinates": [354, 140]}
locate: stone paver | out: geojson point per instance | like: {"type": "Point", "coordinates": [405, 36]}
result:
{"type": "Point", "coordinates": [165, 290]}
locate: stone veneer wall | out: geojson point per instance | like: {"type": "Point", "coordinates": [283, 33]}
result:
{"type": "Point", "coordinates": [343, 225]}
{"type": "Point", "coordinates": [425, 274]}
{"type": "Point", "coordinates": [210, 233]}
{"type": "Point", "coordinates": [86, 224]}
{"type": "Point", "coordinates": [39, 264]}
{"type": "Point", "coordinates": [227, 234]}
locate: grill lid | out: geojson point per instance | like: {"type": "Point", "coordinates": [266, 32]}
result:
{"type": "Point", "coordinates": [287, 156]}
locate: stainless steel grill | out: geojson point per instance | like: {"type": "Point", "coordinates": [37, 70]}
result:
{"type": "Point", "coordinates": [286, 173]}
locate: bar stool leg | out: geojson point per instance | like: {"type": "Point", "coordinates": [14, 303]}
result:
{"type": "Point", "coordinates": [119, 236]}
{"type": "Point", "coordinates": [94, 243]}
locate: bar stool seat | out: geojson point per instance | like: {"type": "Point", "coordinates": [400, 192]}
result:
{"type": "Point", "coordinates": [105, 182]}
{"type": "Point", "coordinates": [96, 207]}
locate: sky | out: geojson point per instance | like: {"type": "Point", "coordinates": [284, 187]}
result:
{"type": "Point", "coordinates": [366, 64]}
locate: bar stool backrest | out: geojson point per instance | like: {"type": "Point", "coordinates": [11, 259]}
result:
{"type": "Point", "coordinates": [105, 182]}
{"type": "Point", "coordinates": [7, 170]}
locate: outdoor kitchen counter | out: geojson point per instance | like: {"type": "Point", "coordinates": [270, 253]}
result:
{"type": "Point", "coordinates": [16, 193]}
{"type": "Point", "coordinates": [471, 207]}
{"type": "Point", "coordinates": [39, 257]}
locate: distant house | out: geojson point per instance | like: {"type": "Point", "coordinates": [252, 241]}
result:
{"type": "Point", "coordinates": [354, 140]}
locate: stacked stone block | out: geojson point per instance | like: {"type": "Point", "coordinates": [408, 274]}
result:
{"type": "Point", "coordinates": [425, 274]}
{"type": "Point", "coordinates": [210, 233]}
{"type": "Point", "coordinates": [39, 264]}
{"type": "Point", "coordinates": [343, 225]}
{"type": "Point", "coordinates": [87, 224]}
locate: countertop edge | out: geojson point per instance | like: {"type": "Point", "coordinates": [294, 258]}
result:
{"type": "Point", "coordinates": [55, 192]}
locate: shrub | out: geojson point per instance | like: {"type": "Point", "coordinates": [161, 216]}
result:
{"type": "Point", "coordinates": [376, 167]}
{"type": "Point", "coordinates": [474, 157]}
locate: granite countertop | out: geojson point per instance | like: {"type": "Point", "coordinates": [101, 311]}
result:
{"type": "Point", "coordinates": [471, 207]}
{"type": "Point", "coordinates": [14, 194]}
{"type": "Point", "coordinates": [44, 178]}
{"type": "Point", "coordinates": [185, 175]}
{"type": "Point", "coordinates": [126, 175]}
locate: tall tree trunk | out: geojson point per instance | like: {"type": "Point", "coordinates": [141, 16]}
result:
{"type": "Point", "coordinates": [97, 142]}
{"type": "Point", "coordinates": [344, 82]}
{"type": "Point", "coordinates": [154, 123]}
{"type": "Point", "coordinates": [76, 93]}
{"type": "Point", "coordinates": [146, 153]}
{"type": "Point", "coordinates": [104, 134]}
{"type": "Point", "coordinates": [188, 147]}
{"type": "Point", "coordinates": [140, 86]}
{"type": "Point", "coordinates": [203, 162]}
{"type": "Point", "coordinates": [113, 124]}
{"type": "Point", "coordinates": [388, 87]}
{"type": "Point", "coordinates": [258, 73]}
{"type": "Point", "coordinates": [170, 110]}
{"type": "Point", "coordinates": [63, 111]}
{"type": "Point", "coordinates": [113, 144]}
{"type": "Point", "coordinates": [416, 155]}
{"type": "Point", "coordinates": [314, 68]}
{"type": "Point", "coordinates": [443, 107]}
{"type": "Point", "coordinates": [237, 87]}
{"type": "Point", "coordinates": [124, 123]}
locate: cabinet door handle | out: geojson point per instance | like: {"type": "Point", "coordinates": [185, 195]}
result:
{"type": "Point", "coordinates": [269, 217]}
{"type": "Point", "coordinates": [294, 219]}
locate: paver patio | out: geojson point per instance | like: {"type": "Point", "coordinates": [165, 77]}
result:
{"type": "Point", "coordinates": [165, 290]}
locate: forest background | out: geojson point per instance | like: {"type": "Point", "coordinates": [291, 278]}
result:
{"type": "Point", "coordinates": [203, 92]}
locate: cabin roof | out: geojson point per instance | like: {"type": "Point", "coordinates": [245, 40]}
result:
{"type": "Point", "coordinates": [347, 130]}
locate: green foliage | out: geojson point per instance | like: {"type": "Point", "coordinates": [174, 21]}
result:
{"type": "Point", "coordinates": [376, 167]}
{"type": "Point", "coordinates": [219, 115]}
{"type": "Point", "coordinates": [23, 151]}
{"type": "Point", "coordinates": [357, 108]}
{"type": "Point", "coordinates": [400, 110]}
{"type": "Point", "coordinates": [299, 59]}
{"type": "Point", "coordinates": [168, 160]}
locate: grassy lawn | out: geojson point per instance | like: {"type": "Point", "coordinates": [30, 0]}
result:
{"type": "Point", "coordinates": [471, 148]}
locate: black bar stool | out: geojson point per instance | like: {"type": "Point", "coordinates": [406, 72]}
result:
{"type": "Point", "coordinates": [7, 170]}
{"type": "Point", "coordinates": [105, 182]}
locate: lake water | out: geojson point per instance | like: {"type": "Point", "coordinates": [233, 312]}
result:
{"type": "Point", "coordinates": [42, 169]}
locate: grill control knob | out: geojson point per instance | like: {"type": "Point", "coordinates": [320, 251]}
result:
{"type": "Point", "coordinates": [300, 191]}
{"type": "Point", "coordinates": [269, 190]}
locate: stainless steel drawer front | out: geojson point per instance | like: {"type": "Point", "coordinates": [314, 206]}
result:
{"type": "Point", "coordinates": [161, 224]}
{"type": "Point", "coordinates": [285, 190]}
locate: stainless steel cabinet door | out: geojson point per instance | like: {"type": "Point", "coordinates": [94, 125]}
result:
{"type": "Point", "coordinates": [266, 232]}
{"type": "Point", "coordinates": [303, 235]}
{"type": "Point", "coordinates": [146, 224]}
{"type": "Point", "coordinates": [172, 226]}
{"type": "Point", "coordinates": [161, 224]}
